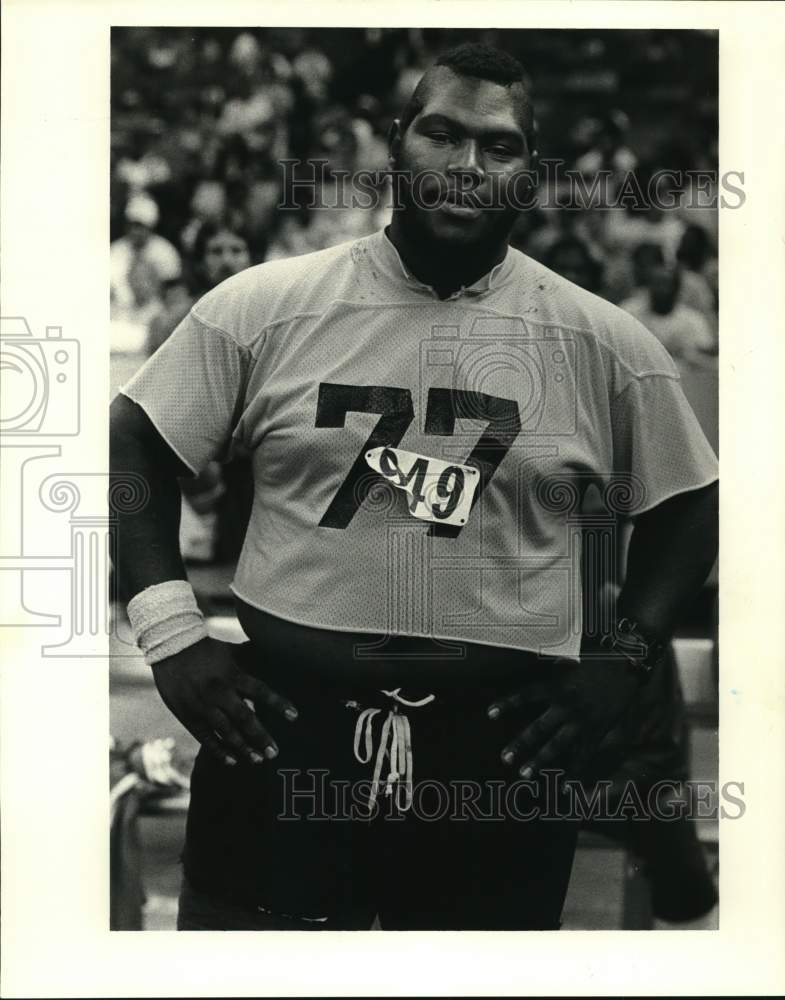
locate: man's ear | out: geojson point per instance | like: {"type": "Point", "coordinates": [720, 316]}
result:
{"type": "Point", "coordinates": [394, 140]}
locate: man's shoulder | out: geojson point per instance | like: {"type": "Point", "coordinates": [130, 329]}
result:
{"type": "Point", "coordinates": [555, 301]}
{"type": "Point", "coordinates": [249, 302]}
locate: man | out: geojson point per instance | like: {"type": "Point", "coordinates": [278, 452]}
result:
{"type": "Point", "coordinates": [682, 330]}
{"type": "Point", "coordinates": [572, 258]}
{"type": "Point", "coordinates": [142, 263]}
{"type": "Point", "coordinates": [221, 248]}
{"type": "Point", "coordinates": [421, 407]}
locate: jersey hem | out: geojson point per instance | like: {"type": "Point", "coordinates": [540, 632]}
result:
{"type": "Point", "coordinates": [413, 635]}
{"type": "Point", "coordinates": [670, 494]}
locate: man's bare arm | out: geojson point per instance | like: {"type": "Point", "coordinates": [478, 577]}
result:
{"type": "Point", "coordinates": [673, 548]}
{"type": "Point", "coordinates": [147, 544]}
{"type": "Point", "coordinates": [203, 685]}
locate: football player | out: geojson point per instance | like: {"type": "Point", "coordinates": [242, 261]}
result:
{"type": "Point", "coordinates": [424, 409]}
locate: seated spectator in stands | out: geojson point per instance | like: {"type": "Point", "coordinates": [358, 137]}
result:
{"type": "Point", "coordinates": [700, 278]}
{"type": "Point", "coordinates": [627, 275]}
{"type": "Point", "coordinates": [335, 210]}
{"type": "Point", "coordinates": [221, 249]}
{"type": "Point", "coordinates": [683, 331]}
{"type": "Point", "coordinates": [638, 218]}
{"type": "Point", "coordinates": [142, 264]}
{"type": "Point", "coordinates": [604, 141]}
{"type": "Point", "coordinates": [539, 230]}
{"type": "Point", "coordinates": [571, 258]}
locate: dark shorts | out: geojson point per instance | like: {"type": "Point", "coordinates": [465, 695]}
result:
{"type": "Point", "coordinates": [293, 839]}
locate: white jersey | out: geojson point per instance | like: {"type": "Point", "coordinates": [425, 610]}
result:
{"type": "Point", "coordinates": [419, 464]}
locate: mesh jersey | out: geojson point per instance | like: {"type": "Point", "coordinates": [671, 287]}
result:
{"type": "Point", "coordinates": [308, 363]}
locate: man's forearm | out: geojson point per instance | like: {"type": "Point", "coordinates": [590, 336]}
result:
{"type": "Point", "coordinates": [671, 553]}
{"type": "Point", "coordinates": [147, 541]}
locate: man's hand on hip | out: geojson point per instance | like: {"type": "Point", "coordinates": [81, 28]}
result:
{"type": "Point", "coordinates": [586, 701]}
{"type": "Point", "coordinates": [211, 696]}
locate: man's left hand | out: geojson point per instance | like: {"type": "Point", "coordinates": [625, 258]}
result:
{"type": "Point", "coordinates": [586, 700]}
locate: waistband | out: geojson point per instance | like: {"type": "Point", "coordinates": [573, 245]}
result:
{"type": "Point", "coordinates": [312, 682]}
{"type": "Point", "coordinates": [358, 666]}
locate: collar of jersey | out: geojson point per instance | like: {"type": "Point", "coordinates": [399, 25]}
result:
{"type": "Point", "coordinates": [486, 283]}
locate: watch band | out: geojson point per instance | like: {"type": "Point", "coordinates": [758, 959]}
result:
{"type": "Point", "coordinates": [642, 654]}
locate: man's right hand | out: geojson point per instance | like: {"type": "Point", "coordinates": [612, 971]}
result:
{"type": "Point", "coordinates": [208, 692]}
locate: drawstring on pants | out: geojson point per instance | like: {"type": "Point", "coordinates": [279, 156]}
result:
{"type": "Point", "coordinates": [395, 742]}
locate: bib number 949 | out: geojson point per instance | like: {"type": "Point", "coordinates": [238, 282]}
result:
{"type": "Point", "coordinates": [438, 491]}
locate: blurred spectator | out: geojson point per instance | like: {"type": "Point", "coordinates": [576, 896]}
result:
{"type": "Point", "coordinates": [627, 275]}
{"type": "Point", "coordinates": [700, 278]}
{"type": "Point", "coordinates": [221, 249]}
{"type": "Point", "coordinates": [639, 219]}
{"type": "Point", "coordinates": [571, 258]}
{"type": "Point", "coordinates": [372, 153]}
{"type": "Point", "coordinates": [682, 331]}
{"type": "Point", "coordinates": [141, 263]}
{"type": "Point", "coordinates": [605, 144]}
{"type": "Point", "coordinates": [413, 59]}
{"type": "Point", "coordinates": [539, 231]}
{"type": "Point", "coordinates": [335, 209]}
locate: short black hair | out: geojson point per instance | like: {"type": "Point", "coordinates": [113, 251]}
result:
{"type": "Point", "coordinates": [485, 62]}
{"type": "Point", "coordinates": [481, 62]}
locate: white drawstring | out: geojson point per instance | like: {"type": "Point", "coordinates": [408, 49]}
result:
{"type": "Point", "coordinates": [396, 732]}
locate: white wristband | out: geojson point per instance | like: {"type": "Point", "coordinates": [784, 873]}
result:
{"type": "Point", "coordinates": [166, 619]}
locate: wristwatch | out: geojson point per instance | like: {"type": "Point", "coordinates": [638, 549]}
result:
{"type": "Point", "coordinates": [641, 654]}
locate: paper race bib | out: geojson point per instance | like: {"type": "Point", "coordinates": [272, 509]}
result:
{"type": "Point", "coordinates": [438, 491]}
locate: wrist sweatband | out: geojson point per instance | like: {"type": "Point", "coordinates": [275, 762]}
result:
{"type": "Point", "coordinates": [166, 619]}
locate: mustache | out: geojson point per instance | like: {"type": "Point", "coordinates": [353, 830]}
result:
{"type": "Point", "coordinates": [430, 190]}
{"type": "Point", "coordinates": [431, 196]}
{"type": "Point", "coordinates": [468, 197]}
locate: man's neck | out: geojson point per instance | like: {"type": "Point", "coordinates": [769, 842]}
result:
{"type": "Point", "coordinates": [445, 269]}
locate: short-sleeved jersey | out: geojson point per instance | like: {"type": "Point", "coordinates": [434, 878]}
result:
{"type": "Point", "coordinates": [310, 364]}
